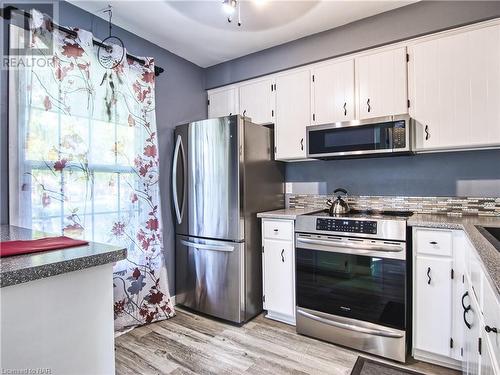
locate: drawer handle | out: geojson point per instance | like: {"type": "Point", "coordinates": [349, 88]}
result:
{"type": "Point", "coordinates": [489, 329]}
{"type": "Point", "coordinates": [276, 231]}
{"type": "Point", "coordinates": [433, 243]}
{"type": "Point", "coordinates": [429, 275]}
{"type": "Point", "coordinates": [282, 257]}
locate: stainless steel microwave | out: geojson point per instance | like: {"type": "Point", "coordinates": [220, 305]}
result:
{"type": "Point", "coordinates": [381, 136]}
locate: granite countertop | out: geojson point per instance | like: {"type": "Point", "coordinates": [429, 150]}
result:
{"type": "Point", "coordinates": [19, 269]}
{"type": "Point", "coordinates": [488, 254]}
{"type": "Point", "coordinates": [287, 213]}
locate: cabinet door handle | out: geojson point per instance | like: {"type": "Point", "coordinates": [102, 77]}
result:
{"type": "Point", "coordinates": [427, 134]}
{"type": "Point", "coordinates": [489, 329]}
{"type": "Point", "coordinates": [345, 109]}
{"type": "Point", "coordinates": [244, 112]}
{"type": "Point", "coordinates": [368, 105]}
{"type": "Point", "coordinates": [463, 302]}
{"type": "Point", "coordinates": [429, 275]}
{"type": "Point", "coordinates": [302, 144]}
{"type": "Point", "coordinates": [465, 319]}
{"type": "Point", "coordinates": [282, 257]}
{"type": "Point", "coordinates": [433, 243]}
{"type": "Point", "coordinates": [275, 230]}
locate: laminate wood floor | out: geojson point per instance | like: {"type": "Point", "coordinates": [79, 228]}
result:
{"type": "Point", "coordinates": [194, 344]}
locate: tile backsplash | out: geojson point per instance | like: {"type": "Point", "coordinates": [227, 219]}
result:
{"type": "Point", "coordinates": [451, 206]}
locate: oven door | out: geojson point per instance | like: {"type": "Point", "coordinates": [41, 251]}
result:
{"type": "Point", "coordinates": [359, 279]}
{"type": "Point", "coordinates": [358, 138]}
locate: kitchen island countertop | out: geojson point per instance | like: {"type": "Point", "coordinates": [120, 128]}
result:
{"type": "Point", "coordinates": [19, 269]}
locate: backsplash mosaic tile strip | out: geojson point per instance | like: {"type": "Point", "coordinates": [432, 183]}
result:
{"type": "Point", "coordinates": [451, 206]}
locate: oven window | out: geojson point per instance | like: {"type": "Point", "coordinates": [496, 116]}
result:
{"type": "Point", "coordinates": [351, 138]}
{"type": "Point", "coordinates": [359, 287]}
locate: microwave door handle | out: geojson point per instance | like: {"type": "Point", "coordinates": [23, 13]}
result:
{"type": "Point", "coordinates": [386, 247]}
{"type": "Point", "coordinates": [351, 327]}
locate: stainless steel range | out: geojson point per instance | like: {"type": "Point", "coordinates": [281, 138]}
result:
{"type": "Point", "coordinates": [351, 280]}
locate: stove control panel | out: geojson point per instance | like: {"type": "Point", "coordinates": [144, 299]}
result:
{"type": "Point", "coordinates": [348, 226]}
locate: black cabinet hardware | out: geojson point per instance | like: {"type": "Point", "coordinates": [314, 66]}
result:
{"type": "Point", "coordinates": [479, 345]}
{"type": "Point", "coordinates": [451, 342]}
{"type": "Point", "coordinates": [244, 112]}
{"type": "Point", "coordinates": [465, 319]}
{"type": "Point", "coordinates": [276, 230]}
{"type": "Point", "coordinates": [368, 105]}
{"type": "Point", "coordinates": [282, 257]}
{"type": "Point", "coordinates": [452, 274]}
{"type": "Point", "coordinates": [427, 134]}
{"type": "Point", "coordinates": [302, 143]}
{"type": "Point", "coordinates": [429, 275]}
{"type": "Point", "coordinates": [313, 77]}
{"type": "Point", "coordinates": [489, 329]}
{"type": "Point", "coordinates": [272, 112]}
{"type": "Point", "coordinates": [433, 243]}
{"type": "Point", "coordinates": [463, 303]}
{"type": "Point", "coordinates": [345, 109]}
{"type": "Point", "coordinates": [314, 116]}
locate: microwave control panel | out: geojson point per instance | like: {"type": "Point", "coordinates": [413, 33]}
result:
{"type": "Point", "coordinates": [347, 226]}
{"type": "Point", "coordinates": [399, 135]}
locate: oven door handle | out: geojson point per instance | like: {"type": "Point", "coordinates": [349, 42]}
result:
{"type": "Point", "coordinates": [351, 327]}
{"type": "Point", "coordinates": [385, 247]}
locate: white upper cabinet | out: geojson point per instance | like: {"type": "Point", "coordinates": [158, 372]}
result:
{"type": "Point", "coordinates": [257, 101]}
{"type": "Point", "coordinates": [455, 90]}
{"type": "Point", "coordinates": [382, 84]}
{"type": "Point", "coordinates": [223, 102]}
{"type": "Point", "coordinates": [333, 92]}
{"type": "Point", "coordinates": [293, 111]}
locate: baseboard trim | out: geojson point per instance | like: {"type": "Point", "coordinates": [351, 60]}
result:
{"type": "Point", "coordinates": [281, 317]}
{"type": "Point", "coordinates": [436, 359]}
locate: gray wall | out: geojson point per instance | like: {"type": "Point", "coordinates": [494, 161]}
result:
{"type": "Point", "coordinates": [402, 23]}
{"type": "Point", "coordinates": [180, 98]}
{"type": "Point", "coordinates": [469, 173]}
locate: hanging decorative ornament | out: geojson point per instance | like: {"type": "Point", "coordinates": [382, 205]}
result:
{"type": "Point", "coordinates": [112, 51]}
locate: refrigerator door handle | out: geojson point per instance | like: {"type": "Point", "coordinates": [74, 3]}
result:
{"type": "Point", "coordinates": [200, 246]}
{"type": "Point", "coordinates": [179, 212]}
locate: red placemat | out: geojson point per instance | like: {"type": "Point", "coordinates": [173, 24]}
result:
{"type": "Point", "coordinates": [8, 248]}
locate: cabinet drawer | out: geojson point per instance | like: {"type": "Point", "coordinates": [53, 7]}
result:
{"type": "Point", "coordinates": [491, 314]}
{"type": "Point", "coordinates": [433, 241]}
{"type": "Point", "coordinates": [278, 229]}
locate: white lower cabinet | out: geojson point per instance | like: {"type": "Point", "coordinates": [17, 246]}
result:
{"type": "Point", "coordinates": [455, 309]}
{"type": "Point", "coordinates": [278, 259]}
{"type": "Point", "coordinates": [433, 291]}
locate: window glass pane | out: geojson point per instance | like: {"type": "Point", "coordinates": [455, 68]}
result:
{"type": "Point", "coordinates": [103, 143]}
{"type": "Point", "coordinates": [46, 198]}
{"type": "Point", "coordinates": [126, 152]}
{"type": "Point", "coordinates": [103, 228]}
{"type": "Point", "coordinates": [75, 138]}
{"type": "Point", "coordinates": [42, 136]}
{"type": "Point", "coordinates": [77, 195]}
{"type": "Point", "coordinates": [105, 192]}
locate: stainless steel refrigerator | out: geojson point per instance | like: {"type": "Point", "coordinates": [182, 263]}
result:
{"type": "Point", "coordinates": [223, 174]}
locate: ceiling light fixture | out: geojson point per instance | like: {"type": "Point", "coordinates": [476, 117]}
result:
{"type": "Point", "coordinates": [229, 7]}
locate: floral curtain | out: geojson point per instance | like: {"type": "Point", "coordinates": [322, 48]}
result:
{"type": "Point", "coordinates": [88, 161]}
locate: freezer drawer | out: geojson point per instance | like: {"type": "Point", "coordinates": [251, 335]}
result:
{"type": "Point", "coordinates": [209, 277]}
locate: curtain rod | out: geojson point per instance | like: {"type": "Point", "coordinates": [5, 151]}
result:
{"type": "Point", "coordinates": [6, 14]}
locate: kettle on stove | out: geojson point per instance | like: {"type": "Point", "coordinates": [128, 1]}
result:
{"type": "Point", "coordinates": [339, 206]}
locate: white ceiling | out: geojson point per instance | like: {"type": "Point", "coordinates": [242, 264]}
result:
{"type": "Point", "coordinates": [199, 32]}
